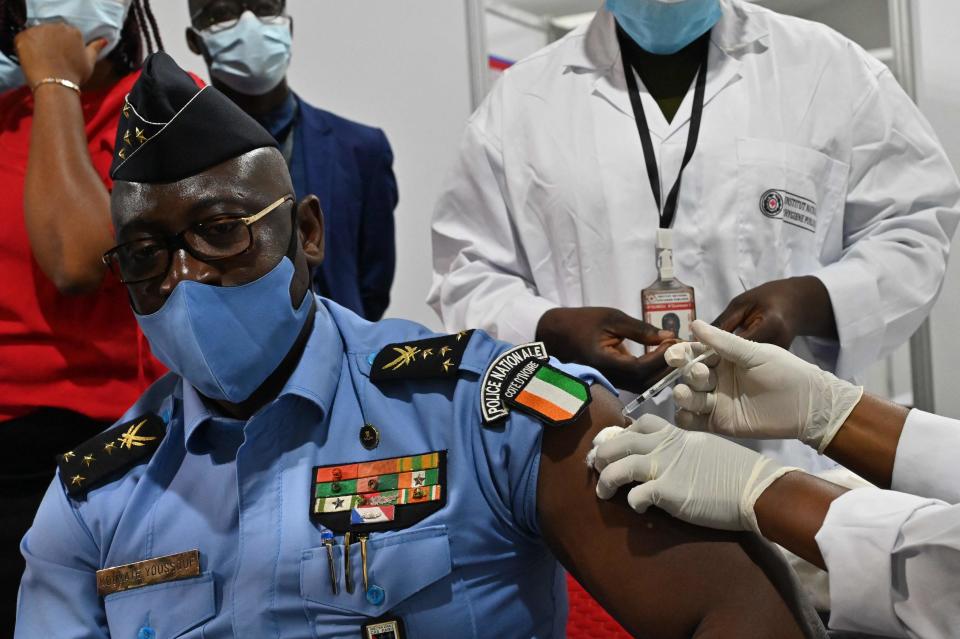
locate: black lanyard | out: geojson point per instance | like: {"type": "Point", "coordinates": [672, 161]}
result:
{"type": "Point", "coordinates": [669, 209]}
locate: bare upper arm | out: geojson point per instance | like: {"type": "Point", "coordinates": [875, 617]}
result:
{"type": "Point", "coordinates": [656, 575]}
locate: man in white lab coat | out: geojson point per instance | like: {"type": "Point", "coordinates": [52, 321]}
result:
{"type": "Point", "coordinates": [547, 227]}
{"type": "Point", "coordinates": [893, 556]}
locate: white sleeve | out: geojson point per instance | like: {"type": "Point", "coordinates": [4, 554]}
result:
{"type": "Point", "coordinates": [902, 208]}
{"type": "Point", "coordinates": [893, 560]}
{"type": "Point", "coordinates": [481, 275]}
{"type": "Point", "coordinates": [926, 462]}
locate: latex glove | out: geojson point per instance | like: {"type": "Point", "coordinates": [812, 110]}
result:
{"type": "Point", "coordinates": [759, 391]}
{"type": "Point", "coordinates": [697, 477]}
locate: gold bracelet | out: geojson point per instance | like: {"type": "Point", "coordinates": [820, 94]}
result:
{"type": "Point", "coordinates": [64, 83]}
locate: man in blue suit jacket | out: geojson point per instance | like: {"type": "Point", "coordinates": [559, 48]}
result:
{"type": "Point", "coordinates": [349, 166]}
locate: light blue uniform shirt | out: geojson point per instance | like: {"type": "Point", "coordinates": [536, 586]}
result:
{"type": "Point", "coordinates": [240, 492]}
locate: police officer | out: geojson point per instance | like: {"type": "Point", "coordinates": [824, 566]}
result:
{"type": "Point", "coordinates": [348, 165]}
{"type": "Point", "coordinates": [301, 472]}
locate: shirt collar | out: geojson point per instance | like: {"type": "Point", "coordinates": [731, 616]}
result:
{"type": "Point", "coordinates": [598, 50]}
{"type": "Point", "coordinates": [315, 378]}
{"type": "Point", "coordinates": [279, 121]}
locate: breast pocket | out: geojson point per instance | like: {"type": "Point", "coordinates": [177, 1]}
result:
{"type": "Point", "coordinates": [409, 576]}
{"type": "Point", "coordinates": [790, 202]}
{"type": "Point", "coordinates": [171, 609]}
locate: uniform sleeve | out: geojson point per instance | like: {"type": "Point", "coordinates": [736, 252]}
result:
{"type": "Point", "coordinates": [481, 276]}
{"type": "Point", "coordinates": [926, 460]}
{"type": "Point", "coordinates": [377, 251]}
{"type": "Point", "coordinates": [58, 594]}
{"type": "Point", "coordinates": [513, 455]}
{"type": "Point", "coordinates": [902, 208]}
{"type": "Point", "coordinates": [893, 560]}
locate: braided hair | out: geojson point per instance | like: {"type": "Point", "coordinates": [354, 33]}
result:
{"type": "Point", "coordinates": [139, 36]}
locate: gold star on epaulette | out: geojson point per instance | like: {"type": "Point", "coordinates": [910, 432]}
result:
{"type": "Point", "coordinates": [126, 137]}
{"type": "Point", "coordinates": [88, 459]}
{"type": "Point", "coordinates": [67, 456]}
{"type": "Point", "coordinates": [76, 480]}
{"type": "Point", "coordinates": [122, 153]}
{"type": "Point", "coordinates": [109, 448]}
{"type": "Point", "coordinates": [427, 352]}
{"type": "Point", "coordinates": [446, 365]}
{"type": "Point", "coordinates": [141, 138]}
{"type": "Point", "coordinates": [460, 335]}
{"type": "Point", "coordinates": [126, 109]}
{"type": "Point", "coordinates": [444, 350]}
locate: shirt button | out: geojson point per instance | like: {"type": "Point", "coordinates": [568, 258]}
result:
{"type": "Point", "coordinates": [376, 595]}
{"type": "Point", "coordinates": [147, 633]}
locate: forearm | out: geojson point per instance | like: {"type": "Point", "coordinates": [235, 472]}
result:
{"type": "Point", "coordinates": [867, 441]}
{"type": "Point", "coordinates": [66, 205]}
{"type": "Point", "coordinates": [791, 511]}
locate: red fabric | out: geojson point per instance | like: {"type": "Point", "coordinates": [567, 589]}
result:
{"type": "Point", "coordinates": [82, 353]}
{"type": "Point", "coordinates": [586, 619]}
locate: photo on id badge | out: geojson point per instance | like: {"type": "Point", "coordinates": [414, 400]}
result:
{"type": "Point", "coordinates": [671, 310]}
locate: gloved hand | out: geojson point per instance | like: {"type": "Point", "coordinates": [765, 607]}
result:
{"type": "Point", "coordinates": [759, 391]}
{"type": "Point", "coordinates": [697, 477]}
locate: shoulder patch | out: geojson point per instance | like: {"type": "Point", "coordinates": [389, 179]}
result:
{"type": "Point", "coordinates": [498, 375]}
{"type": "Point", "coordinates": [118, 448]}
{"type": "Point", "coordinates": [434, 357]}
{"type": "Point", "coordinates": [547, 393]}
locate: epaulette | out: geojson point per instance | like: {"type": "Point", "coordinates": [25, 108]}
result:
{"type": "Point", "coordinates": [117, 448]}
{"type": "Point", "coordinates": [521, 378]}
{"type": "Point", "coordinates": [434, 357]}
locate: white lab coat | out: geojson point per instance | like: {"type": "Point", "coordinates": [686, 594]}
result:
{"type": "Point", "coordinates": [549, 203]}
{"type": "Point", "coordinates": [894, 557]}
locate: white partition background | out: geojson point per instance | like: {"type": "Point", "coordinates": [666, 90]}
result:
{"type": "Point", "coordinates": [405, 67]}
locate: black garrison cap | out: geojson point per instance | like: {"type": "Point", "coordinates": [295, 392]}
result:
{"type": "Point", "coordinates": [171, 129]}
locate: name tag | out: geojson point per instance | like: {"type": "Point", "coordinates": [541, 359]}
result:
{"type": "Point", "coordinates": [158, 570]}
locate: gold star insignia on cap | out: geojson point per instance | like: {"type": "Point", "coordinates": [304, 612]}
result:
{"type": "Point", "coordinates": [406, 355]}
{"type": "Point", "coordinates": [126, 138]}
{"type": "Point", "coordinates": [76, 480]}
{"type": "Point", "coordinates": [88, 459]}
{"type": "Point", "coordinates": [109, 448]}
{"type": "Point", "coordinates": [67, 456]}
{"type": "Point", "coordinates": [141, 138]}
{"type": "Point", "coordinates": [130, 438]}
{"type": "Point", "coordinates": [122, 153]}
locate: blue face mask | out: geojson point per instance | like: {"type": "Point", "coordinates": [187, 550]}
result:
{"type": "Point", "coordinates": [227, 340]}
{"type": "Point", "coordinates": [94, 18]}
{"type": "Point", "coordinates": [665, 26]}
{"type": "Point", "coordinates": [11, 76]}
{"type": "Point", "coordinates": [252, 56]}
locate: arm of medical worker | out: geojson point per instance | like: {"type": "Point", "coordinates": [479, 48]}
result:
{"type": "Point", "coordinates": [378, 250]}
{"type": "Point", "coordinates": [66, 205]}
{"type": "Point", "coordinates": [761, 391]}
{"type": "Point", "coordinates": [902, 208]}
{"type": "Point", "coordinates": [891, 557]}
{"type": "Point", "coordinates": [658, 576]}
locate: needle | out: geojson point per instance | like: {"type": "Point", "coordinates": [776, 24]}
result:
{"type": "Point", "coordinates": [632, 410]}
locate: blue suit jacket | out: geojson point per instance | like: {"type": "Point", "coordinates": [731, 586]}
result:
{"type": "Point", "coordinates": [349, 166]}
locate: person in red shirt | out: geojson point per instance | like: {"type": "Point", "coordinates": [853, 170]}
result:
{"type": "Point", "coordinates": [71, 356]}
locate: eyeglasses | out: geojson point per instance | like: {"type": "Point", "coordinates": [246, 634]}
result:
{"type": "Point", "coordinates": [220, 15]}
{"type": "Point", "coordinates": [218, 238]}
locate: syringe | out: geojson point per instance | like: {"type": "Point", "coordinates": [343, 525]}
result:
{"type": "Point", "coordinates": [632, 410]}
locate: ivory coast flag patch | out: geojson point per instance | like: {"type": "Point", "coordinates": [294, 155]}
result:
{"type": "Point", "coordinates": [547, 393]}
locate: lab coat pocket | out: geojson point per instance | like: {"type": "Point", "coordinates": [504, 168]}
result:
{"type": "Point", "coordinates": [790, 205]}
{"type": "Point", "coordinates": [171, 608]}
{"type": "Point", "coordinates": [409, 575]}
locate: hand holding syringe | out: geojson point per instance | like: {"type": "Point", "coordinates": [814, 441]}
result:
{"type": "Point", "coordinates": [633, 409]}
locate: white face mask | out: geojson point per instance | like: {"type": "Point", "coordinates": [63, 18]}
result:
{"type": "Point", "coordinates": [252, 56]}
{"type": "Point", "coordinates": [94, 18]}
